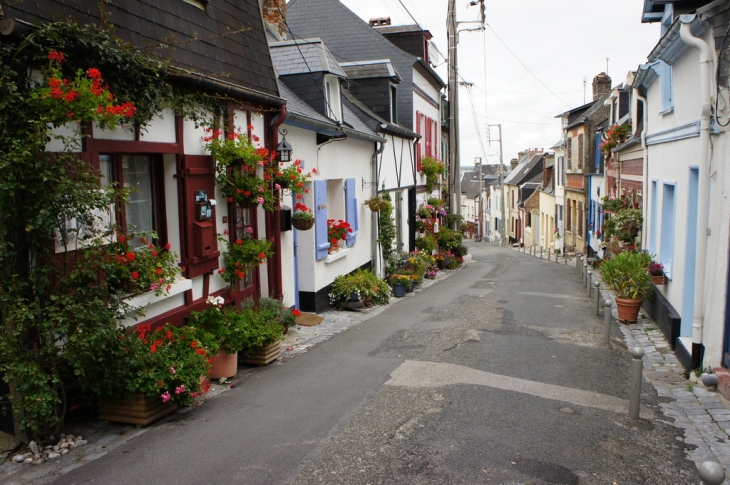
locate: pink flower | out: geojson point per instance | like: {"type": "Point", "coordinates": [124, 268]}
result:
{"type": "Point", "coordinates": [261, 189]}
{"type": "Point", "coordinates": [277, 186]}
{"type": "Point", "coordinates": [180, 389]}
{"type": "Point", "coordinates": [161, 280]}
{"type": "Point", "coordinates": [260, 200]}
{"type": "Point", "coordinates": [249, 229]}
{"type": "Point", "coordinates": [172, 369]}
{"type": "Point", "coordinates": [154, 286]}
{"type": "Point", "coordinates": [165, 396]}
{"type": "Point", "coordinates": [261, 163]}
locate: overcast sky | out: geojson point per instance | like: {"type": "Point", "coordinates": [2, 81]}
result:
{"type": "Point", "coordinates": [561, 42]}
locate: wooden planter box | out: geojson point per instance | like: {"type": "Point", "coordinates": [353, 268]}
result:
{"type": "Point", "coordinates": [138, 409]}
{"type": "Point", "coordinates": [265, 354]}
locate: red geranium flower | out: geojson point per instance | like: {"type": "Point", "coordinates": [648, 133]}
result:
{"type": "Point", "coordinates": [296, 313]}
{"type": "Point", "coordinates": [131, 256]}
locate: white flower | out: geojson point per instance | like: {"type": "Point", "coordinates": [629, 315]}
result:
{"type": "Point", "coordinates": [215, 300]}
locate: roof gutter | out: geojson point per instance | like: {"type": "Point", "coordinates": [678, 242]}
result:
{"type": "Point", "coordinates": [333, 127]}
{"type": "Point", "coordinates": [225, 87]}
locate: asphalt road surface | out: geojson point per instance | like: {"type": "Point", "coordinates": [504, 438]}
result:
{"type": "Point", "coordinates": [497, 375]}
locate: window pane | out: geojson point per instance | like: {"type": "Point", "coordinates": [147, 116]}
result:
{"type": "Point", "coordinates": [105, 167]}
{"type": "Point", "coordinates": [137, 174]}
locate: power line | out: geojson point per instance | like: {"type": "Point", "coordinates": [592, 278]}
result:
{"type": "Point", "coordinates": [526, 68]}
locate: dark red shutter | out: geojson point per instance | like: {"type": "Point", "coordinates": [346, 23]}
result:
{"type": "Point", "coordinates": [200, 241]}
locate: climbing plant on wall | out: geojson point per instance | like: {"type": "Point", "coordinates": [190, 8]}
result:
{"type": "Point", "coordinates": [53, 304]}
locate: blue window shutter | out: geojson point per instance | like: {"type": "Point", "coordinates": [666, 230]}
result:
{"type": "Point", "coordinates": [320, 219]}
{"type": "Point", "coordinates": [598, 152]}
{"type": "Point", "coordinates": [351, 211]}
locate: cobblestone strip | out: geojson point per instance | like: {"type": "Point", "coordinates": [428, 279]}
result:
{"type": "Point", "coordinates": [701, 412]}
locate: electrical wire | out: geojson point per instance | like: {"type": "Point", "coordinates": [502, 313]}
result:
{"type": "Point", "coordinates": [526, 68]}
{"type": "Point", "coordinates": [476, 122]}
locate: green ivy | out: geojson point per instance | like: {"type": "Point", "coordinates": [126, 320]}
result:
{"type": "Point", "coordinates": [386, 233]}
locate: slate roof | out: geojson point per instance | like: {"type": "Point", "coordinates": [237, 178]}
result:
{"type": "Point", "coordinates": [231, 45]}
{"type": "Point", "coordinates": [302, 115]}
{"type": "Point", "coordinates": [398, 29]}
{"type": "Point", "coordinates": [523, 169]}
{"type": "Point", "coordinates": [597, 105]}
{"type": "Point", "coordinates": [351, 39]}
{"type": "Point", "coordinates": [374, 121]}
{"type": "Point", "coordinates": [378, 68]}
{"type": "Point", "coordinates": [303, 56]}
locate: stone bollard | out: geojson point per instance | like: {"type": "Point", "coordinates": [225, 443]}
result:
{"type": "Point", "coordinates": [540, 252]}
{"type": "Point", "coordinates": [711, 473]}
{"type": "Point", "coordinates": [589, 283]}
{"type": "Point", "coordinates": [597, 285]}
{"type": "Point", "coordinates": [636, 373]}
{"type": "Point", "coordinates": [607, 322]}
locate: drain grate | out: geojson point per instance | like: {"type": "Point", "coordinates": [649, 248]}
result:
{"type": "Point", "coordinates": [665, 376]}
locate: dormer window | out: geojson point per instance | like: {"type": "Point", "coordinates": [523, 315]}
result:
{"type": "Point", "coordinates": [393, 105]}
{"type": "Point", "coordinates": [333, 103]}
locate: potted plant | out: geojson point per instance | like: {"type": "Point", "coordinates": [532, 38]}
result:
{"type": "Point", "coordinates": [433, 169]}
{"type": "Point", "coordinates": [302, 218]}
{"type": "Point", "coordinates": [242, 255]}
{"type": "Point", "coordinates": [360, 286]}
{"type": "Point", "coordinates": [656, 271]}
{"type": "Point", "coordinates": [264, 333]}
{"type": "Point", "coordinates": [626, 275]}
{"type": "Point", "coordinates": [164, 369]}
{"type": "Point", "coordinates": [337, 231]}
{"type": "Point", "coordinates": [228, 330]}
{"type": "Point", "coordinates": [375, 203]}
{"type": "Point", "coordinates": [400, 283]}
{"type": "Point", "coordinates": [292, 177]}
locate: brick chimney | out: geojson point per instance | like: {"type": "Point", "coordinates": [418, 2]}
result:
{"type": "Point", "coordinates": [513, 163]}
{"type": "Point", "coordinates": [274, 12]}
{"type": "Point", "coordinates": [601, 85]}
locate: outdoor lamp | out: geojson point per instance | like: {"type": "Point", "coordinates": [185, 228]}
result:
{"type": "Point", "coordinates": [283, 151]}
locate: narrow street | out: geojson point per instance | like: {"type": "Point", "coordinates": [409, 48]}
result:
{"type": "Point", "coordinates": [495, 375]}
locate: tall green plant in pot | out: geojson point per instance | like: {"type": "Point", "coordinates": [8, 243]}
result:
{"type": "Point", "coordinates": [626, 275]}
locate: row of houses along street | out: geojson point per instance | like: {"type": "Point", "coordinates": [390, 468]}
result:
{"type": "Point", "coordinates": [352, 110]}
{"type": "Point", "coordinates": [655, 139]}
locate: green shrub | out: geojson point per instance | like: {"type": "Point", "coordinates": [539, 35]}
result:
{"type": "Point", "coordinates": [448, 240]}
{"type": "Point", "coordinates": [426, 243]}
{"type": "Point", "coordinates": [626, 275]}
{"type": "Point", "coordinates": [363, 283]}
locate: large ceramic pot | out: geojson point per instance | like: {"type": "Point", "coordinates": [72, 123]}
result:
{"type": "Point", "coordinates": [399, 291]}
{"type": "Point", "coordinates": [628, 310]}
{"type": "Point", "coordinates": [224, 365]}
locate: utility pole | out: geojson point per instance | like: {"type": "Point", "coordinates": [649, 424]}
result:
{"type": "Point", "coordinates": [454, 179]}
{"type": "Point", "coordinates": [454, 164]}
{"type": "Point", "coordinates": [480, 218]}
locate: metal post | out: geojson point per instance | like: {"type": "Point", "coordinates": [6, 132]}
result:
{"type": "Point", "coordinates": [550, 256]}
{"type": "Point", "coordinates": [540, 252]}
{"type": "Point", "coordinates": [636, 369]}
{"type": "Point", "coordinates": [597, 285]}
{"type": "Point", "coordinates": [607, 304]}
{"type": "Point", "coordinates": [579, 264]}
{"type": "Point", "coordinates": [589, 283]}
{"type": "Point", "coordinates": [711, 473]}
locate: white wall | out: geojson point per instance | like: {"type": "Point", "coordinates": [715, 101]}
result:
{"type": "Point", "coordinates": [338, 160]}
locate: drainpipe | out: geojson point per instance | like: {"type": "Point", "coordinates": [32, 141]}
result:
{"type": "Point", "coordinates": [375, 225]}
{"type": "Point", "coordinates": [645, 163]}
{"type": "Point", "coordinates": [704, 158]}
{"type": "Point", "coordinates": [275, 219]}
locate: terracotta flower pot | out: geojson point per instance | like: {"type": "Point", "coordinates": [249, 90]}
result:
{"type": "Point", "coordinates": [628, 310]}
{"type": "Point", "coordinates": [658, 280]}
{"type": "Point", "coordinates": [224, 365]}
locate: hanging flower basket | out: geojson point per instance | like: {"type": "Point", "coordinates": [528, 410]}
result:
{"type": "Point", "coordinates": [303, 224]}
{"type": "Point", "coordinates": [376, 203]}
